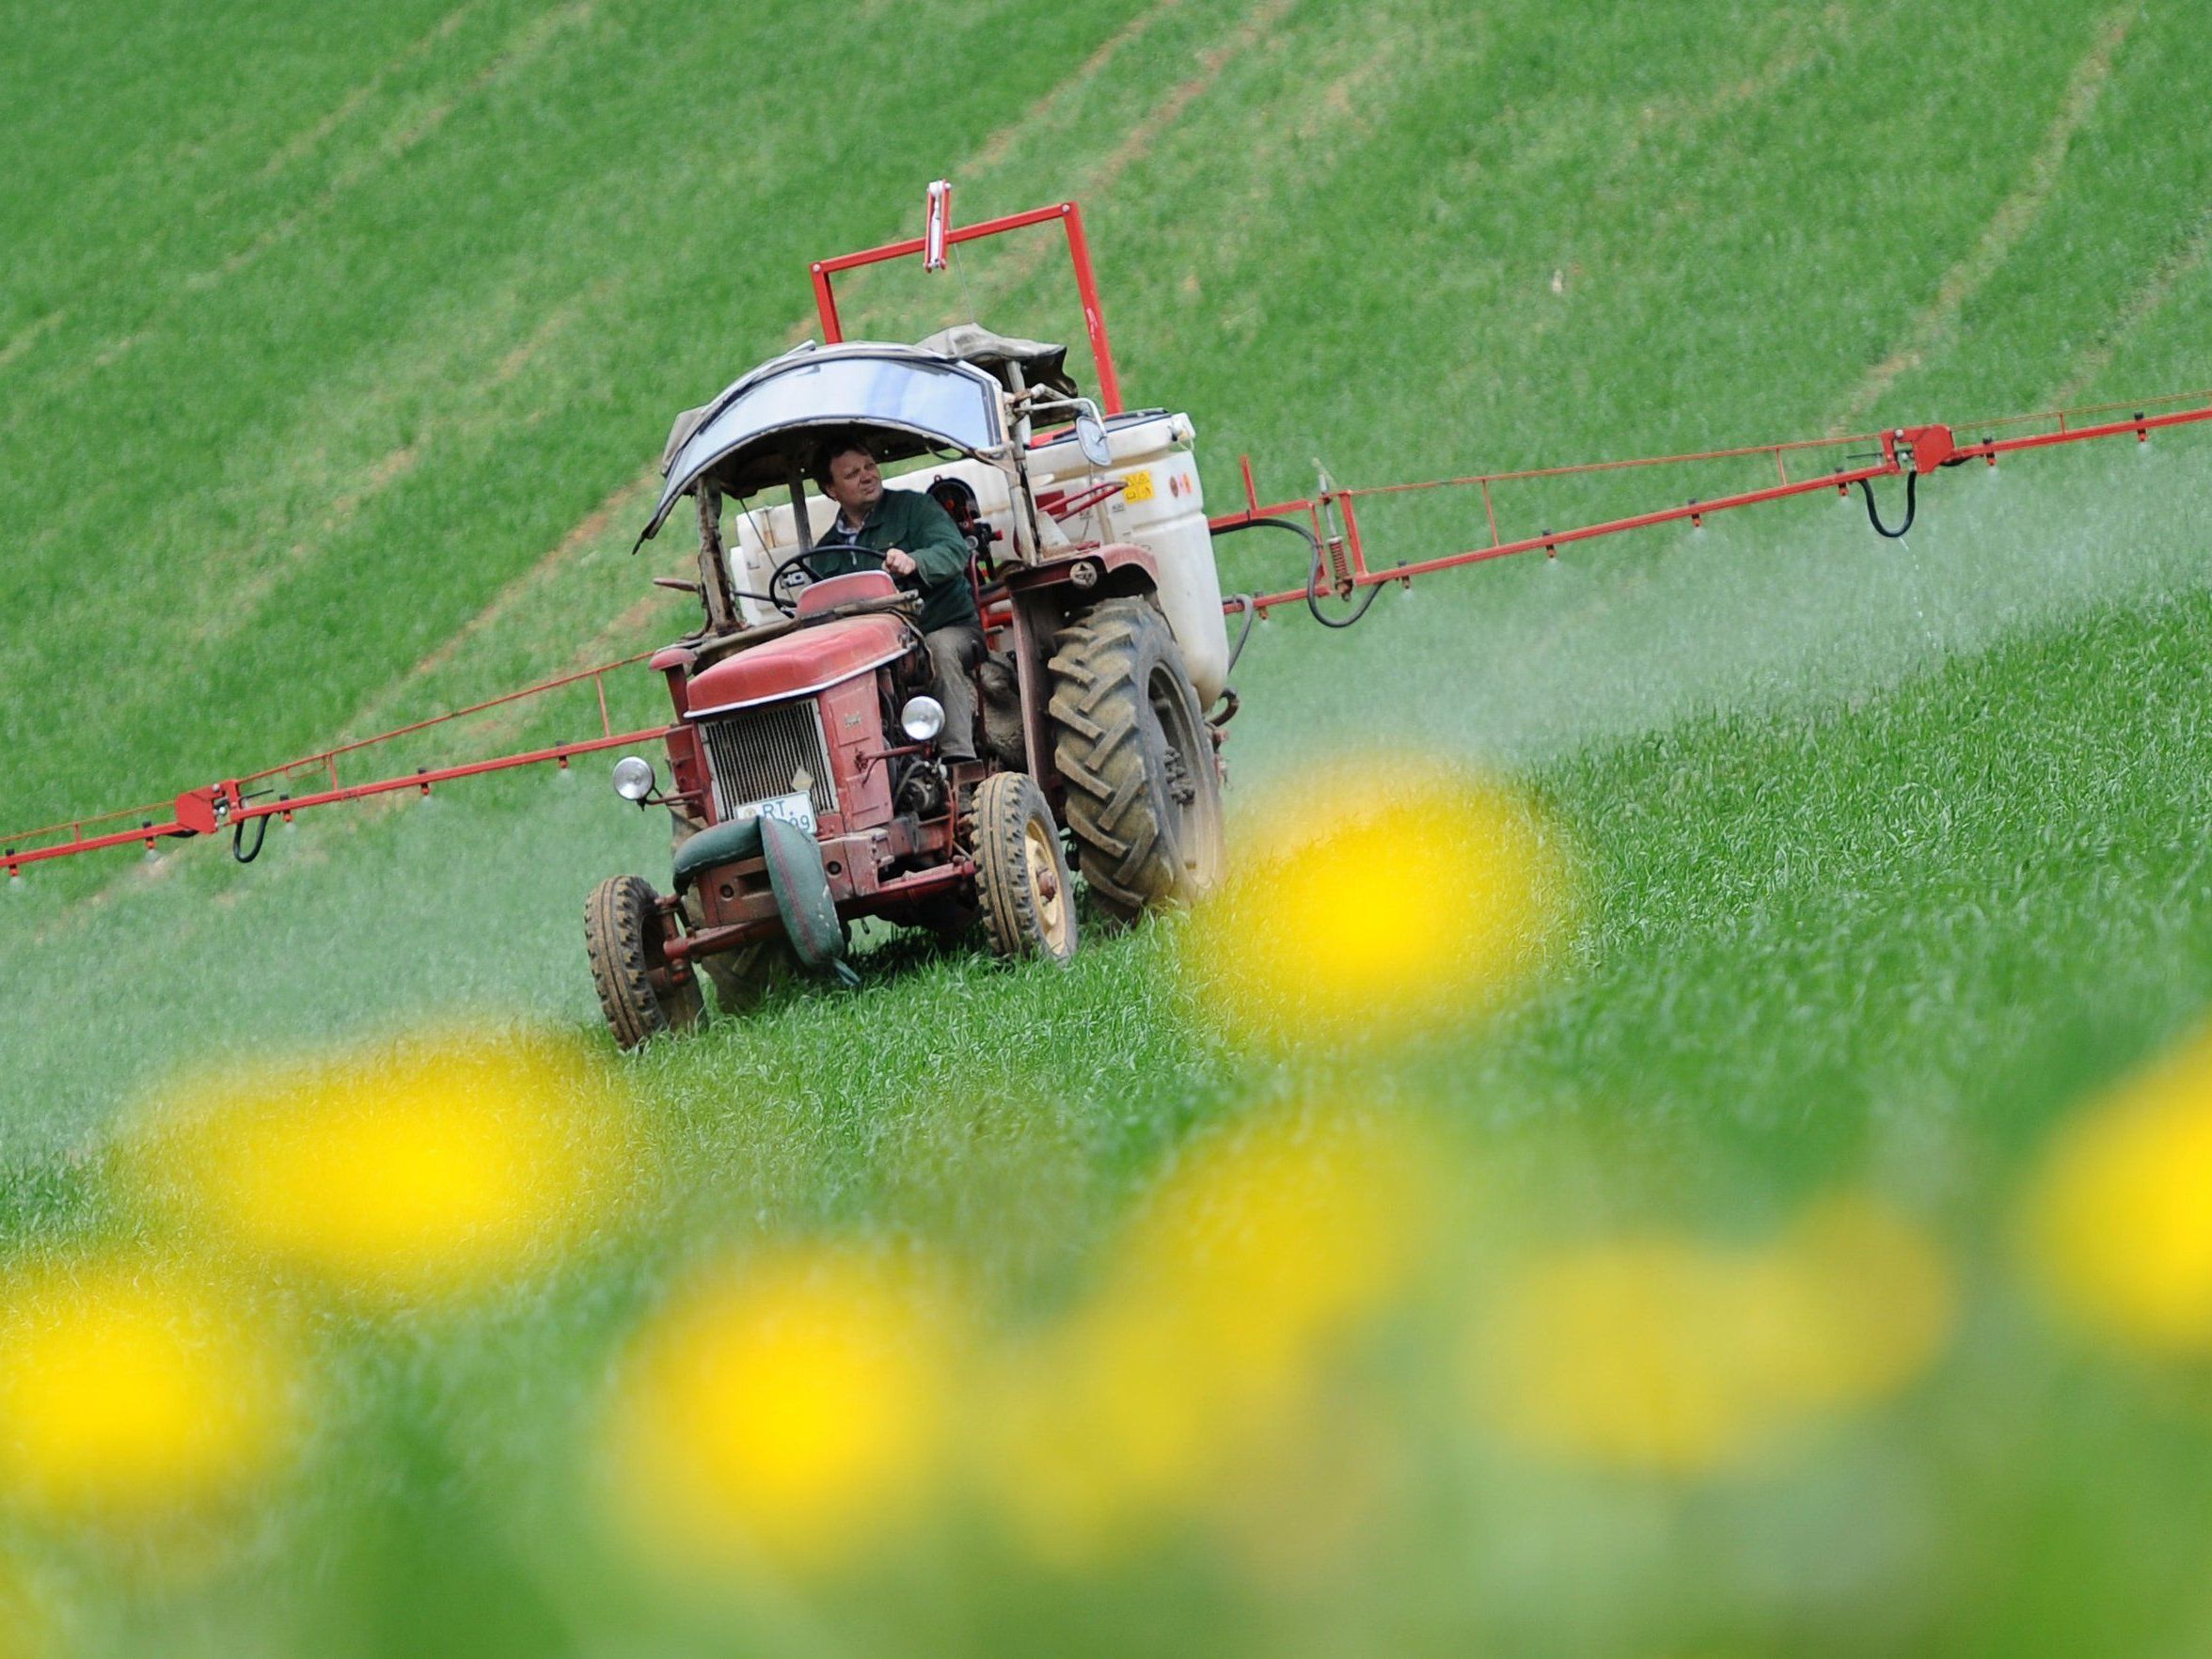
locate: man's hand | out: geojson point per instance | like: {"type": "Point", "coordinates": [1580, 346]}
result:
{"type": "Point", "coordinates": [899, 561]}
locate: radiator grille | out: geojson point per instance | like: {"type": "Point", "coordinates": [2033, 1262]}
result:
{"type": "Point", "coordinates": [778, 750]}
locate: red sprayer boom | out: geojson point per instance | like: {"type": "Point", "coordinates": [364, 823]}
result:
{"type": "Point", "coordinates": [1341, 561]}
{"type": "Point", "coordinates": [1342, 567]}
{"type": "Point", "coordinates": [236, 802]}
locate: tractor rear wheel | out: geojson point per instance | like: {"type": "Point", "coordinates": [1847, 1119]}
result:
{"type": "Point", "coordinates": [639, 988]}
{"type": "Point", "coordinates": [1130, 741]}
{"type": "Point", "coordinates": [949, 914]}
{"type": "Point", "coordinates": [1020, 878]}
{"type": "Point", "coordinates": [742, 978]}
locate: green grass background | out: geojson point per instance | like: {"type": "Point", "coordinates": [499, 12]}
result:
{"type": "Point", "coordinates": [336, 345]}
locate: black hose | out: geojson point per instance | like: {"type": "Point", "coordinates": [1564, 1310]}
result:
{"type": "Point", "coordinates": [1313, 581]}
{"type": "Point", "coordinates": [1912, 506]}
{"type": "Point", "coordinates": [238, 839]}
{"type": "Point", "coordinates": [1243, 601]}
{"type": "Point", "coordinates": [1313, 598]}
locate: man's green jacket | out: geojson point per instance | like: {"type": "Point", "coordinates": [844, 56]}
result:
{"type": "Point", "coordinates": [909, 519]}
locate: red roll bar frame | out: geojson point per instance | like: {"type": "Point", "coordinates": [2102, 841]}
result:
{"type": "Point", "coordinates": [1078, 253]}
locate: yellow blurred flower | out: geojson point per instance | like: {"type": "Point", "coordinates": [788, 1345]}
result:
{"type": "Point", "coordinates": [789, 1410]}
{"type": "Point", "coordinates": [1631, 1354]}
{"type": "Point", "coordinates": [1662, 1354]}
{"type": "Point", "coordinates": [130, 1391]}
{"type": "Point", "coordinates": [2118, 1218]}
{"type": "Point", "coordinates": [1249, 1266]}
{"type": "Point", "coordinates": [1375, 900]}
{"type": "Point", "coordinates": [1875, 1302]}
{"type": "Point", "coordinates": [417, 1169]}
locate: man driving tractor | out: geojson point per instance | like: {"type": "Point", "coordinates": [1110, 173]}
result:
{"type": "Point", "coordinates": [920, 548]}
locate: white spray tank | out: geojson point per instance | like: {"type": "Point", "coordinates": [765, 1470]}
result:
{"type": "Point", "coordinates": [1160, 507]}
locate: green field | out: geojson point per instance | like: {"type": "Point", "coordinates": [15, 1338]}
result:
{"type": "Point", "coordinates": [336, 347]}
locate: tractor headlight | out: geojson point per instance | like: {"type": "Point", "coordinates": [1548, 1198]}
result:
{"type": "Point", "coordinates": [922, 719]}
{"type": "Point", "coordinates": [633, 778]}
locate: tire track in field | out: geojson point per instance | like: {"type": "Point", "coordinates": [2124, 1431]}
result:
{"type": "Point", "coordinates": [1688, 116]}
{"type": "Point", "coordinates": [2145, 302]}
{"type": "Point", "coordinates": [512, 595]}
{"type": "Point", "coordinates": [995, 148]}
{"type": "Point", "coordinates": [1307, 142]}
{"type": "Point", "coordinates": [310, 139]}
{"type": "Point", "coordinates": [241, 602]}
{"type": "Point", "coordinates": [29, 335]}
{"type": "Point", "coordinates": [1138, 142]}
{"type": "Point", "coordinates": [390, 468]}
{"type": "Point", "coordinates": [1936, 321]}
{"type": "Point", "coordinates": [619, 637]}
{"type": "Point", "coordinates": [999, 145]}
{"type": "Point", "coordinates": [1100, 179]}
{"type": "Point", "coordinates": [293, 149]}
{"type": "Point", "coordinates": [521, 48]}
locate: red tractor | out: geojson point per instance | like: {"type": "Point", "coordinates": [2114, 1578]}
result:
{"type": "Point", "coordinates": [807, 787]}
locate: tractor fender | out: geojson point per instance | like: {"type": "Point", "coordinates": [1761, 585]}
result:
{"type": "Point", "coordinates": [801, 887]}
{"type": "Point", "coordinates": [1128, 569]}
{"type": "Point", "coordinates": [719, 843]}
{"type": "Point", "coordinates": [1117, 570]}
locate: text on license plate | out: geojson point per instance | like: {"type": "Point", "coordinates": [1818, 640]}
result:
{"type": "Point", "coordinates": [797, 808]}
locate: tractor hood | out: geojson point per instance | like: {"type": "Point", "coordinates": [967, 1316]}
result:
{"type": "Point", "coordinates": [763, 430]}
{"type": "Point", "coordinates": [798, 664]}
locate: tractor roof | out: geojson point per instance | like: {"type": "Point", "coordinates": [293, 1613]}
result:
{"type": "Point", "coordinates": [907, 401]}
{"type": "Point", "coordinates": [1041, 363]}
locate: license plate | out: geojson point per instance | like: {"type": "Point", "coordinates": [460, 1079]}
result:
{"type": "Point", "coordinates": [798, 808]}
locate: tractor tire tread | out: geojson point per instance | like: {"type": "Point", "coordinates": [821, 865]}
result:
{"type": "Point", "coordinates": [615, 918]}
{"type": "Point", "coordinates": [1005, 805]}
{"type": "Point", "coordinates": [1113, 756]}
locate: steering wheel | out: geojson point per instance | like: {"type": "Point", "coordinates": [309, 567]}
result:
{"type": "Point", "coordinates": [788, 603]}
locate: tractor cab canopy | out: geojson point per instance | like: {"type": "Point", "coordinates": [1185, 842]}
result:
{"type": "Point", "coordinates": [1016, 364]}
{"type": "Point", "coordinates": [763, 430]}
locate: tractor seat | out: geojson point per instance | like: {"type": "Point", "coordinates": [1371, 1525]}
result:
{"type": "Point", "coordinates": [816, 597]}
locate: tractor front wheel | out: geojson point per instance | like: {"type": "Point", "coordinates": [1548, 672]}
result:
{"type": "Point", "coordinates": [1020, 879]}
{"type": "Point", "coordinates": [643, 992]}
{"type": "Point", "coordinates": [1130, 742]}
